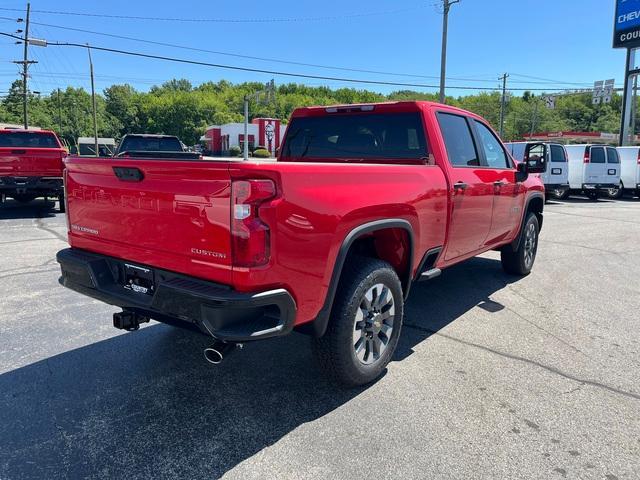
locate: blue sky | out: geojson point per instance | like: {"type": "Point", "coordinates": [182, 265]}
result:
{"type": "Point", "coordinates": [568, 41]}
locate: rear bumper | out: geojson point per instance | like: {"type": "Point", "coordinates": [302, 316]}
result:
{"type": "Point", "coordinates": [180, 300]}
{"type": "Point", "coordinates": [31, 185]}
{"type": "Point", "coordinates": [599, 186]}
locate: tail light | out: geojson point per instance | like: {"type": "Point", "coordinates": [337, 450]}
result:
{"type": "Point", "coordinates": [639, 156]}
{"type": "Point", "coordinates": [587, 155]}
{"type": "Point", "coordinates": [250, 235]}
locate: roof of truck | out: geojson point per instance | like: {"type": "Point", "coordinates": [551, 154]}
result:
{"type": "Point", "coordinates": [400, 106]}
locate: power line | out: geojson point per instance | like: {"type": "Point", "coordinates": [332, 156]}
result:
{"type": "Point", "coordinates": [224, 20]}
{"type": "Point", "coordinates": [251, 57]}
{"type": "Point", "coordinates": [269, 72]}
{"type": "Point", "coordinates": [288, 62]}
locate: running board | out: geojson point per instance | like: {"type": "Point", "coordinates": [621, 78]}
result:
{"type": "Point", "coordinates": [430, 274]}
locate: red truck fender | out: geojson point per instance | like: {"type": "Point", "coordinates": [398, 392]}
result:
{"type": "Point", "coordinates": [534, 203]}
{"type": "Point", "coordinates": [318, 326]}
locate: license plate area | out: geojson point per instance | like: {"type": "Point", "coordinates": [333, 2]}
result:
{"type": "Point", "coordinates": [138, 279]}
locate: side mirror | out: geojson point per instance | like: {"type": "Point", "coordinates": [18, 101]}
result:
{"type": "Point", "coordinates": [535, 158]}
{"type": "Point", "coordinates": [521, 172]}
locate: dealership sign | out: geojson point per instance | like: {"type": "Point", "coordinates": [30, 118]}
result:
{"type": "Point", "coordinates": [626, 29]}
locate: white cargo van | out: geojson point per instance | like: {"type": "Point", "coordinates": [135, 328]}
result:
{"type": "Point", "coordinates": [556, 176]}
{"type": "Point", "coordinates": [593, 169]}
{"type": "Point", "coordinates": [629, 172]}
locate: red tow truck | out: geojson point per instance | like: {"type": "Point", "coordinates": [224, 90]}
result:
{"type": "Point", "coordinates": [31, 165]}
{"type": "Point", "coordinates": [362, 201]}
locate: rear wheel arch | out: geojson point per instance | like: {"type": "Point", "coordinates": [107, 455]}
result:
{"type": "Point", "coordinates": [365, 240]}
{"type": "Point", "coordinates": [534, 204]}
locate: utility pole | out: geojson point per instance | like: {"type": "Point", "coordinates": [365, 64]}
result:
{"type": "Point", "coordinates": [270, 91]}
{"type": "Point", "coordinates": [503, 103]}
{"type": "Point", "coordinates": [25, 62]}
{"type": "Point", "coordinates": [93, 101]}
{"type": "Point", "coordinates": [534, 118]}
{"type": "Point", "coordinates": [245, 149]}
{"type": "Point", "coordinates": [59, 113]}
{"type": "Point", "coordinates": [446, 5]}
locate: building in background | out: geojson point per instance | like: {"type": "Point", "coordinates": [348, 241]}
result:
{"type": "Point", "coordinates": [263, 132]}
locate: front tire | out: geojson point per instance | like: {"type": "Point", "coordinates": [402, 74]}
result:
{"type": "Point", "coordinates": [365, 323]}
{"type": "Point", "coordinates": [520, 261]}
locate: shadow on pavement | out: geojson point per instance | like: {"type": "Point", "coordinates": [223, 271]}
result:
{"type": "Point", "coordinates": [38, 208]}
{"type": "Point", "coordinates": [147, 405]}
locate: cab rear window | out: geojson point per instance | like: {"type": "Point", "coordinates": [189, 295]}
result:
{"type": "Point", "coordinates": [29, 140]}
{"type": "Point", "coordinates": [356, 137]}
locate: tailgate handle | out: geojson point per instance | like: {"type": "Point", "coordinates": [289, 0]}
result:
{"type": "Point", "coordinates": [128, 174]}
{"type": "Point", "coordinates": [18, 152]}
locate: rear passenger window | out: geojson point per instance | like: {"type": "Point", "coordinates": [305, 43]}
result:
{"type": "Point", "coordinates": [493, 151]}
{"type": "Point", "coordinates": [612, 156]}
{"type": "Point", "coordinates": [458, 140]}
{"type": "Point", "coordinates": [557, 154]}
{"type": "Point", "coordinates": [597, 155]}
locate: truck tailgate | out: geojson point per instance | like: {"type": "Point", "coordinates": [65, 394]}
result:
{"type": "Point", "coordinates": [168, 214]}
{"type": "Point", "coordinates": [31, 162]}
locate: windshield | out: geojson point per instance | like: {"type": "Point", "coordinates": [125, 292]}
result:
{"type": "Point", "coordinates": [29, 140]}
{"type": "Point", "coordinates": [151, 144]}
{"type": "Point", "coordinates": [370, 136]}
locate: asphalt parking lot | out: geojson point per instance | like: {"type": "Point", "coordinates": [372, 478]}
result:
{"type": "Point", "coordinates": [495, 377]}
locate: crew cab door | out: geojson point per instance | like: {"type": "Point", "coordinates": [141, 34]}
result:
{"type": "Point", "coordinates": [499, 175]}
{"type": "Point", "coordinates": [471, 196]}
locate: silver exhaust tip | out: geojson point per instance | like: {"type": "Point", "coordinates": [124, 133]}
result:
{"type": "Point", "coordinates": [213, 356]}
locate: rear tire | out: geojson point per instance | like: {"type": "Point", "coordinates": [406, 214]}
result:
{"type": "Point", "coordinates": [616, 193]}
{"type": "Point", "coordinates": [520, 262]}
{"type": "Point", "coordinates": [365, 323]}
{"type": "Point", "coordinates": [560, 194]}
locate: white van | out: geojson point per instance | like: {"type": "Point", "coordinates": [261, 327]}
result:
{"type": "Point", "coordinates": [593, 169]}
{"type": "Point", "coordinates": [629, 172]}
{"type": "Point", "coordinates": [556, 176]}
{"type": "Point", "coordinates": [87, 146]}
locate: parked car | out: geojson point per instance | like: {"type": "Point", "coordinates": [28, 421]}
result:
{"type": "Point", "coordinates": [362, 201]}
{"type": "Point", "coordinates": [31, 165]}
{"type": "Point", "coordinates": [556, 175]}
{"type": "Point", "coordinates": [593, 169]}
{"type": "Point", "coordinates": [144, 145]}
{"type": "Point", "coordinates": [629, 172]}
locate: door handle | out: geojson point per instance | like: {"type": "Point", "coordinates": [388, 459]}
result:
{"type": "Point", "coordinates": [460, 186]}
{"type": "Point", "coordinates": [499, 183]}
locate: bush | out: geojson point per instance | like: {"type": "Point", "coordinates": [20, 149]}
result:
{"type": "Point", "coordinates": [261, 153]}
{"type": "Point", "coordinates": [235, 151]}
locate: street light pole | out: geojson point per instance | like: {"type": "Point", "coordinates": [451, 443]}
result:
{"type": "Point", "coordinates": [446, 5]}
{"type": "Point", "coordinates": [503, 102]}
{"type": "Point", "coordinates": [93, 101]}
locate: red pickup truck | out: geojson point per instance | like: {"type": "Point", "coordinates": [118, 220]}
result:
{"type": "Point", "coordinates": [31, 164]}
{"type": "Point", "coordinates": [362, 201]}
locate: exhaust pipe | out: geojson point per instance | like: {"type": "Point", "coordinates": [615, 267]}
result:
{"type": "Point", "coordinates": [220, 350]}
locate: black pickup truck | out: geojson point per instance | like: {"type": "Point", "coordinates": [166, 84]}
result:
{"type": "Point", "coordinates": [143, 145]}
